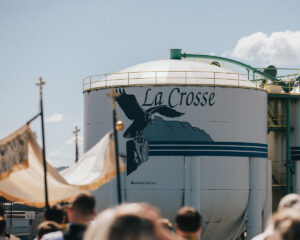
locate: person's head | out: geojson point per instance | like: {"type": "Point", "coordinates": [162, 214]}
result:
{"type": "Point", "coordinates": [128, 221]}
{"type": "Point", "coordinates": [82, 209]}
{"type": "Point", "coordinates": [55, 213]}
{"type": "Point", "coordinates": [286, 224]}
{"type": "Point", "coordinates": [166, 223]}
{"type": "Point", "coordinates": [289, 201]}
{"type": "Point", "coordinates": [2, 226]}
{"type": "Point", "coordinates": [47, 227]}
{"type": "Point", "coordinates": [188, 222]}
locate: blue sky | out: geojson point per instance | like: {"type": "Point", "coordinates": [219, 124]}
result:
{"type": "Point", "coordinates": [66, 40]}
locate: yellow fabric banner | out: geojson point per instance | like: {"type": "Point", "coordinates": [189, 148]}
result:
{"type": "Point", "coordinates": [14, 152]}
{"type": "Point", "coordinates": [94, 168]}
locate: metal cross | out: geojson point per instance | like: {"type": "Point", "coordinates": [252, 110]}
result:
{"type": "Point", "coordinates": [40, 83]}
{"type": "Point", "coordinates": [76, 130]}
{"type": "Point", "coordinates": [113, 95]}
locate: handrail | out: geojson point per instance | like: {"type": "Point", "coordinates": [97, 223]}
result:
{"type": "Point", "coordinates": [160, 77]}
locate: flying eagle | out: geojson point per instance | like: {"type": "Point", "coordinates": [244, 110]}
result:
{"type": "Point", "coordinates": [140, 117]}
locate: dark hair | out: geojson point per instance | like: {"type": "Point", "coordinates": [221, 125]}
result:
{"type": "Point", "coordinates": [131, 227]}
{"type": "Point", "coordinates": [84, 204]}
{"type": "Point", "coordinates": [2, 211]}
{"type": "Point", "coordinates": [188, 219]}
{"type": "Point", "coordinates": [2, 226]}
{"type": "Point", "coordinates": [55, 213]}
{"type": "Point", "coordinates": [47, 227]}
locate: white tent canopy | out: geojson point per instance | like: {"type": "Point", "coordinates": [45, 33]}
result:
{"type": "Point", "coordinates": [23, 180]}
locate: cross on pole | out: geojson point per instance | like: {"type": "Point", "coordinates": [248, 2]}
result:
{"type": "Point", "coordinates": [113, 95]}
{"type": "Point", "coordinates": [40, 84]}
{"type": "Point", "coordinates": [75, 131]}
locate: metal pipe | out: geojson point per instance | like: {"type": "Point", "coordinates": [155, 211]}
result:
{"type": "Point", "coordinates": [288, 151]}
{"type": "Point", "coordinates": [237, 233]}
{"type": "Point", "coordinates": [248, 67]}
{"type": "Point", "coordinates": [33, 118]}
{"type": "Point", "coordinates": [257, 196]}
{"type": "Point", "coordinates": [297, 168]}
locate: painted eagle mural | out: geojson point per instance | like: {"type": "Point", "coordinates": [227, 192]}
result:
{"type": "Point", "coordinates": [140, 117]}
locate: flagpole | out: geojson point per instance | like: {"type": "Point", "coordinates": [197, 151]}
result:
{"type": "Point", "coordinates": [40, 84]}
{"type": "Point", "coordinates": [114, 95]}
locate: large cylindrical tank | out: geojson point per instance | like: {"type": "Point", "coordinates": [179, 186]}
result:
{"type": "Point", "coordinates": [193, 131]}
{"type": "Point", "coordinates": [295, 142]}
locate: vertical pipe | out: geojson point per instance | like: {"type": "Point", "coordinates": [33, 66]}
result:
{"type": "Point", "coordinates": [297, 166]}
{"type": "Point", "coordinates": [268, 205]}
{"type": "Point", "coordinates": [257, 196]}
{"type": "Point", "coordinates": [187, 182]}
{"type": "Point", "coordinates": [117, 157]}
{"type": "Point", "coordinates": [288, 151]}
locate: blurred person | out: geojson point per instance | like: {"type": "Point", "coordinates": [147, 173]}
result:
{"type": "Point", "coordinates": [289, 201]}
{"type": "Point", "coordinates": [188, 223]}
{"type": "Point", "coordinates": [134, 221]}
{"type": "Point", "coordinates": [55, 213]}
{"type": "Point", "coordinates": [166, 223]}
{"type": "Point", "coordinates": [80, 214]}
{"type": "Point", "coordinates": [286, 223]}
{"type": "Point", "coordinates": [3, 234]}
{"type": "Point", "coordinates": [49, 227]}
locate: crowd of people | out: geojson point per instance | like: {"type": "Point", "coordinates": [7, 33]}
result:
{"type": "Point", "coordinates": [141, 221]}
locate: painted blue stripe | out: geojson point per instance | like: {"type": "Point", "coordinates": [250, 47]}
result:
{"type": "Point", "coordinates": [185, 147]}
{"type": "Point", "coordinates": [208, 143]}
{"type": "Point", "coordinates": [208, 153]}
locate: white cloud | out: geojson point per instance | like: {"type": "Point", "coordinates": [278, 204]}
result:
{"type": "Point", "coordinates": [72, 140]}
{"type": "Point", "coordinates": [57, 117]}
{"type": "Point", "coordinates": [279, 48]}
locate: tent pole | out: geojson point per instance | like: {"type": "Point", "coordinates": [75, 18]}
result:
{"type": "Point", "coordinates": [40, 84]}
{"type": "Point", "coordinates": [113, 95]}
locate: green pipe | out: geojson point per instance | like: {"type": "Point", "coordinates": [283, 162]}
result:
{"type": "Point", "coordinates": [248, 67]}
{"type": "Point", "coordinates": [288, 152]}
{"type": "Point", "coordinates": [175, 53]}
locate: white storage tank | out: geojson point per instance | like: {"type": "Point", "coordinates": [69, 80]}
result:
{"type": "Point", "coordinates": [193, 134]}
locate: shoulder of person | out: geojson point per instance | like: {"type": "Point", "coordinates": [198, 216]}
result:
{"type": "Point", "coordinates": [13, 237]}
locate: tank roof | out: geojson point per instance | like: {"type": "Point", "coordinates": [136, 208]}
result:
{"type": "Point", "coordinates": [170, 72]}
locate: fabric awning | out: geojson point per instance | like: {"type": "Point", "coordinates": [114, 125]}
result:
{"type": "Point", "coordinates": [23, 180]}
